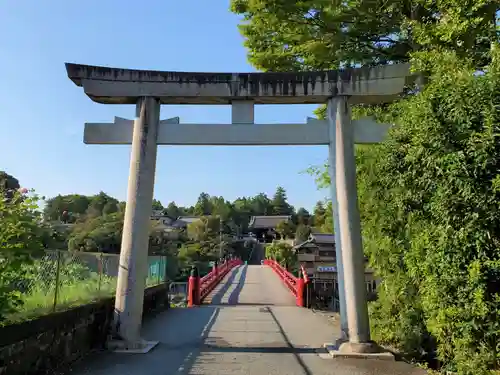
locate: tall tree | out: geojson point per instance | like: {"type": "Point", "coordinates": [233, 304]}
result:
{"type": "Point", "coordinates": [302, 232]}
{"type": "Point", "coordinates": [317, 34]}
{"type": "Point", "coordinates": [261, 205]}
{"type": "Point", "coordinates": [8, 184]}
{"type": "Point", "coordinates": [173, 211]}
{"type": "Point", "coordinates": [302, 216]}
{"type": "Point", "coordinates": [203, 206]}
{"type": "Point", "coordinates": [157, 206]}
{"type": "Point", "coordinates": [279, 203]}
{"type": "Point", "coordinates": [319, 214]}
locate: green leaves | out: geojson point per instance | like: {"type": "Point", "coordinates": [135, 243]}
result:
{"type": "Point", "coordinates": [327, 34]}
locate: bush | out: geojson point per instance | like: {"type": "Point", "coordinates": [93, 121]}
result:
{"type": "Point", "coordinates": [282, 253]}
{"type": "Point", "coordinates": [430, 206]}
{"type": "Point", "coordinates": [20, 238]}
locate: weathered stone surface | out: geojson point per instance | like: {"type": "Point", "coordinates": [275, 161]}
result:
{"type": "Point", "coordinates": [50, 342]}
{"type": "Point", "coordinates": [123, 86]}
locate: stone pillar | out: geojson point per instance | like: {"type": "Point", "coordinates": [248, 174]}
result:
{"type": "Point", "coordinates": [332, 115]}
{"type": "Point", "coordinates": [349, 224]}
{"type": "Point", "coordinates": [132, 271]}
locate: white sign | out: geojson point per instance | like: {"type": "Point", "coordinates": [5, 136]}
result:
{"type": "Point", "coordinates": [327, 269]}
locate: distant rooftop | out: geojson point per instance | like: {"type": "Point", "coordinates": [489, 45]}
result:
{"type": "Point", "coordinates": [107, 85]}
{"type": "Point", "coordinates": [188, 219]}
{"type": "Point", "coordinates": [317, 239]}
{"type": "Point", "coordinates": [257, 222]}
{"type": "Point", "coordinates": [322, 238]}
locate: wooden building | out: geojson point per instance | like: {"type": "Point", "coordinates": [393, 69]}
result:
{"type": "Point", "coordinates": [264, 227]}
{"type": "Point", "coordinates": [318, 257]}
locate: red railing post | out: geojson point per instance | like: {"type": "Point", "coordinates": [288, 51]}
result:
{"type": "Point", "coordinates": [194, 288]}
{"type": "Point", "coordinates": [215, 270]}
{"type": "Point", "coordinates": [300, 291]}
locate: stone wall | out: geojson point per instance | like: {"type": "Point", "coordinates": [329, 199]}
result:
{"type": "Point", "coordinates": [46, 344]}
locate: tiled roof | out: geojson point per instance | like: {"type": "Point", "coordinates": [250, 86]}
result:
{"type": "Point", "coordinates": [303, 245]}
{"type": "Point", "coordinates": [267, 221]}
{"type": "Point", "coordinates": [322, 238]}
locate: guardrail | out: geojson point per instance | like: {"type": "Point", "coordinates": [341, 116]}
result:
{"type": "Point", "coordinates": [297, 285]}
{"type": "Point", "coordinates": [199, 288]}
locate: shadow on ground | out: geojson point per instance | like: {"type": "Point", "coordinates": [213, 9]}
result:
{"type": "Point", "coordinates": [219, 295]}
{"type": "Point", "coordinates": [181, 334]}
{"type": "Point", "coordinates": [235, 294]}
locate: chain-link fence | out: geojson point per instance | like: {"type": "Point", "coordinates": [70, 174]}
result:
{"type": "Point", "coordinates": [58, 280]}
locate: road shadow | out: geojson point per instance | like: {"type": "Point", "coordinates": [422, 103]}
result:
{"type": "Point", "coordinates": [305, 368]}
{"type": "Point", "coordinates": [181, 333]}
{"type": "Point", "coordinates": [217, 297]}
{"type": "Point", "coordinates": [235, 294]}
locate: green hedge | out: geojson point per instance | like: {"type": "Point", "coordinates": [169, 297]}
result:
{"type": "Point", "coordinates": [430, 205]}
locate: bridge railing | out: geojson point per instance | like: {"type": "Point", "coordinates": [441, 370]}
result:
{"type": "Point", "coordinates": [297, 285]}
{"type": "Point", "coordinates": [199, 288]}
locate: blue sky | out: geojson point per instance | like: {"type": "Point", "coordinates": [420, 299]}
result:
{"type": "Point", "coordinates": [43, 113]}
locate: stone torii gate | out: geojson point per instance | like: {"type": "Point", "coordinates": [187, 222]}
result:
{"type": "Point", "coordinates": [149, 89]}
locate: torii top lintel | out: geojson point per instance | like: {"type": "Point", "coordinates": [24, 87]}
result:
{"type": "Point", "coordinates": [123, 86]}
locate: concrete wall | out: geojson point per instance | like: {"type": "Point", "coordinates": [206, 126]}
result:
{"type": "Point", "coordinates": [51, 342]}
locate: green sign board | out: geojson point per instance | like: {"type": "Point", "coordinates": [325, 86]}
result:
{"type": "Point", "coordinates": [157, 268]}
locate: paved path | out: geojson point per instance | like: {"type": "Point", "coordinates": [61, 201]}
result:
{"type": "Point", "coordinates": [252, 327]}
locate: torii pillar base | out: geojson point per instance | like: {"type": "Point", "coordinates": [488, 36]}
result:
{"type": "Point", "coordinates": [365, 350]}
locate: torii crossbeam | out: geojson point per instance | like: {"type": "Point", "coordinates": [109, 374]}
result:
{"type": "Point", "coordinates": [171, 132]}
{"type": "Point", "coordinates": [149, 89]}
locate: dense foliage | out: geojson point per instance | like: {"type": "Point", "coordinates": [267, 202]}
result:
{"type": "Point", "coordinates": [430, 206]}
{"type": "Point", "coordinates": [21, 236]}
{"type": "Point", "coordinates": [327, 34]}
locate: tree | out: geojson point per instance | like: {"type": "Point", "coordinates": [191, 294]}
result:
{"type": "Point", "coordinates": [279, 203]}
{"type": "Point", "coordinates": [261, 205]}
{"type": "Point", "coordinates": [315, 34]}
{"type": "Point", "coordinates": [302, 216]}
{"type": "Point", "coordinates": [157, 206]}
{"type": "Point", "coordinates": [282, 253]}
{"type": "Point", "coordinates": [8, 185]}
{"type": "Point", "coordinates": [203, 206]}
{"type": "Point", "coordinates": [98, 234]}
{"type": "Point", "coordinates": [21, 237]}
{"type": "Point", "coordinates": [221, 207]}
{"type": "Point", "coordinates": [205, 229]}
{"type": "Point", "coordinates": [173, 211]}
{"type": "Point", "coordinates": [319, 213]}
{"type": "Point", "coordinates": [285, 229]}
{"type": "Point", "coordinates": [302, 233]}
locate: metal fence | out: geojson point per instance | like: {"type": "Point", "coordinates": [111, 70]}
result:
{"type": "Point", "coordinates": [324, 293]}
{"type": "Point", "coordinates": [58, 280]}
{"type": "Point", "coordinates": [178, 294]}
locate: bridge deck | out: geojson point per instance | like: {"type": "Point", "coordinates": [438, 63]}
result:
{"type": "Point", "coordinates": [251, 327]}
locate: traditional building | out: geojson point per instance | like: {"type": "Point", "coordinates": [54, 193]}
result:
{"type": "Point", "coordinates": [171, 225]}
{"type": "Point", "coordinates": [264, 227]}
{"type": "Point", "coordinates": [318, 257]}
